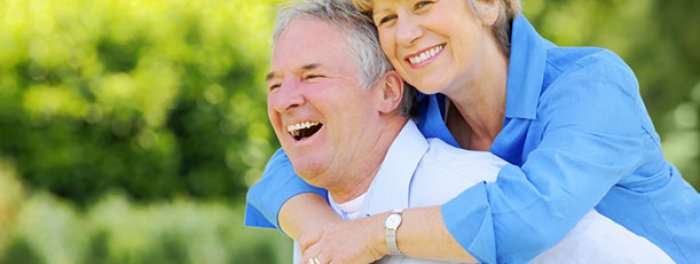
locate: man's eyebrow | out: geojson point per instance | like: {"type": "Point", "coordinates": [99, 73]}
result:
{"type": "Point", "coordinates": [269, 76]}
{"type": "Point", "coordinates": [310, 66]}
{"type": "Point", "coordinates": [306, 67]}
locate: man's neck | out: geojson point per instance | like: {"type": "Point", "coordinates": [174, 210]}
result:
{"type": "Point", "coordinates": [357, 177]}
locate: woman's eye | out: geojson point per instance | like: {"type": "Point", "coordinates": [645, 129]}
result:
{"type": "Point", "coordinates": [385, 19]}
{"type": "Point", "coordinates": [422, 4]}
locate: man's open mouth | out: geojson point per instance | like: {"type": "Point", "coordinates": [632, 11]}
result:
{"type": "Point", "coordinates": [304, 129]}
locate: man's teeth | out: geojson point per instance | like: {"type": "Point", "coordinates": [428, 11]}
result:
{"type": "Point", "coordinates": [295, 129]}
{"type": "Point", "coordinates": [425, 55]}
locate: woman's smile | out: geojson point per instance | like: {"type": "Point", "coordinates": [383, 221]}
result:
{"type": "Point", "coordinates": [434, 45]}
{"type": "Point", "coordinates": [424, 56]}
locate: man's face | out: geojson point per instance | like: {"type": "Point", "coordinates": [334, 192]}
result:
{"type": "Point", "coordinates": [318, 109]}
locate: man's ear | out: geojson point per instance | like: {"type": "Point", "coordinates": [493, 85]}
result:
{"type": "Point", "coordinates": [389, 92]}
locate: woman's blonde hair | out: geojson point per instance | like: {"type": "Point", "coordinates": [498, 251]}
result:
{"type": "Point", "coordinates": [509, 9]}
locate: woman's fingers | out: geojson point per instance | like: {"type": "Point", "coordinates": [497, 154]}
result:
{"type": "Point", "coordinates": [314, 255]}
{"type": "Point", "coordinates": [309, 239]}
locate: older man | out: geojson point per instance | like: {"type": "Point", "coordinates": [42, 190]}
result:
{"type": "Point", "coordinates": [336, 108]}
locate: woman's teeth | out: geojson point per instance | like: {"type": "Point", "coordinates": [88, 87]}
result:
{"type": "Point", "coordinates": [425, 55]}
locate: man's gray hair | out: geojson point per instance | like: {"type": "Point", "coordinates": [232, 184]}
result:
{"type": "Point", "coordinates": [361, 37]}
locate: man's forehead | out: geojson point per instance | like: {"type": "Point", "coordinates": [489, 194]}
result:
{"type": "Point", "coordinates": [308, 44]}
{"type": "Point", "coordinates": [309, 32]}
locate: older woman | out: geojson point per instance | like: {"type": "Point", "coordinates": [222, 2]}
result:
{"type": "Point", "coordinates": [570, 120]}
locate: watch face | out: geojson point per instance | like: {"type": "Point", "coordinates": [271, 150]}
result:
{"type": "Point", "coordinates": [393, 221]}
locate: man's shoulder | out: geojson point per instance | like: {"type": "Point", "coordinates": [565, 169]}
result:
{"type": "Point", "coordinates": [450, 156]}
{"type": "Point", "coordinates": [446, 171]}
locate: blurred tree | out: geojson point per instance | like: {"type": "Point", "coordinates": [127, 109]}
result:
{"type": "Point", "coordinates": [19, 251]}
{"type": "Point", "coordinates": [115, 230]}
{"type": "Point", "coordinates": [158, 97]}
{"type": "Point", "coordinates": [679, 25]}
{"type": "Point", "coordinates": [657, 39]}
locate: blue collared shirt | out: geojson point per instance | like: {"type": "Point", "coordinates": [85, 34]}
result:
{"type": "Point", "coordinates": [420, 172]}
{"type": "Point", "coordinates": [577, 135]}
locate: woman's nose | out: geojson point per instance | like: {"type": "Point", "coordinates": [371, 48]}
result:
{"type": "Point", "coordinates": [408, 31]}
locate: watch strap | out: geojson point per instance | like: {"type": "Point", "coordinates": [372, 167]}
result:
{"type": "Point", "coordinates": [391, 234]}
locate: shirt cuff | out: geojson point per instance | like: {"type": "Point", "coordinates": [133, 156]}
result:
{"type": "Point", "coordinates": [269, 218]}
{"type": "Point", "coordinates": [254, 218]}
{"type": "Point", "coordinates": [468, 218]}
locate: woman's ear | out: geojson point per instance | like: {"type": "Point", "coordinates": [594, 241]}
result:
{"type": "Point", "coordinates": [487, 11]}
{"type": "Point", "coordinates": [389, 92]}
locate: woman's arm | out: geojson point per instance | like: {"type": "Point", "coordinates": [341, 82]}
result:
{"type": "Point", "coordinates": [306, 213]}
{"type": "Point", "coordinates": [588, 136]}
{"type": "Point", "coordinates": [526, 211]}
{"type": "Point", "coordinates": [281, 195]}
{"type": "Point", "coordinates": [422, 234]}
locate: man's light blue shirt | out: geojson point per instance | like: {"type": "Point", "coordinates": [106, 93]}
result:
{"type": "Point", "coordinates": [577, 135]}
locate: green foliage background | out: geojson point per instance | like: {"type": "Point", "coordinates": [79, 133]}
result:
{"type": "Point", "coordinates": [156, 98]}
{"type": "Point", "coordinates": [130, 130]}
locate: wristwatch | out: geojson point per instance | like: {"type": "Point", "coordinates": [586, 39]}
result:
{"type": "Point", "coordinates": [392, 223]}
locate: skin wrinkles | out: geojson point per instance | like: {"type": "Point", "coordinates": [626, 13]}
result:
{"type": "Point", "coordinates": [312, 81]}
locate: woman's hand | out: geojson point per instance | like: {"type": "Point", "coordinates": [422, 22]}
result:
{"type": "Point", "coordinates": [422, 234]}
{"type": "Point", "coordinates": [323, 235]}
{"type": "Point", "coordinates": [306, 213]}
{"type": "Point", "coordinates": [357, 241]}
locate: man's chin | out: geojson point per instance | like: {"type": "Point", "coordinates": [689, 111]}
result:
{"type": "Point", "coordinates": [312, 176]}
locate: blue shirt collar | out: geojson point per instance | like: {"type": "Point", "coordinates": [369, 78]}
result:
{"type": "Point", "coordinates": [430, 118]}
{"type": "Point", "coordinates": [528, 57]}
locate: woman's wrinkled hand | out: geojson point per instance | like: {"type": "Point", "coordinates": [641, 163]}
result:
{"type": "Point", "coordinates": [357, 241]}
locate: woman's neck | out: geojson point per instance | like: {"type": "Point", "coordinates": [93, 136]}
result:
{"type": "Point", "coordinates": [480, 104]}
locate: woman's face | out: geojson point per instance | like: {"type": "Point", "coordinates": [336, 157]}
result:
{"type": "Point", "coordinates": [435, 45]}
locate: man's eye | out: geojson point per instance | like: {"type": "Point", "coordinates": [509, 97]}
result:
{"type": "Point", "coordinates": [313, 76]}
{"type": "Point", "coordinates": [273, 87]}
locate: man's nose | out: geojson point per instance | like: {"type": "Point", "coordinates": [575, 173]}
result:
{"type": "Point", "coordinates": [288, 96]}
{"type": "Point", "coordinates": [408, 31]}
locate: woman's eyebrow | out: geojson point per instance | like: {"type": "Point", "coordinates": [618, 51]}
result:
{"type": "Point", "coordinates": [379, 12]}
